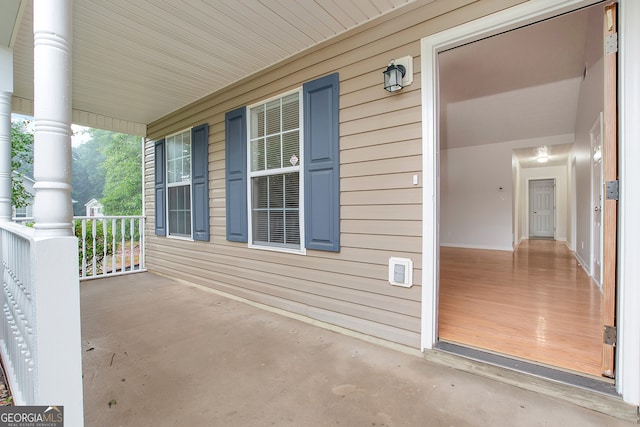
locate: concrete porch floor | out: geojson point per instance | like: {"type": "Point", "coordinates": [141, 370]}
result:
{"type": "Point", "coordinates": [158, 352]}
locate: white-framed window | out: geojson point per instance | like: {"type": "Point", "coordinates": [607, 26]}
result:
{"type": "Point", "coordinates": [178, 153]}
{"type": "Point", "coordinates": [21, 212]}
{"type": "Point", "coordinates": [273, 148]}
{"type": "Point", "coordinates": [275, 193]}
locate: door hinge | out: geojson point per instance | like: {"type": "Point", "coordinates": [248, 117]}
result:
{"type": "Point", "coordinates": [613, 192]}
{"type": "Point", "coordinates": [610, 336]}
{"type": "Point", "coordinates": [611, 43]}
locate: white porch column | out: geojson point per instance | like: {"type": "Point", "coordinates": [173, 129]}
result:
{"type": "Point", "coordinates": [56, 294]}
{"type": "Point", "coordinates": [6, 90]}
{"type": "Point", "coordinates": [52, 33]}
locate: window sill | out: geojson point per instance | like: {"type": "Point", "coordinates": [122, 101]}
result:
{"type": "Point", "coordinates": [301, 251]}
{"type": "Point", "coordinates": [184, 238]}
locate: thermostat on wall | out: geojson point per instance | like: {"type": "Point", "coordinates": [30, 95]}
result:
{"type": "Point", "coordinates": [401, 272]}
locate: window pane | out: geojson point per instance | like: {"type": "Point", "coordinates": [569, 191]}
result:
{"type": "Point", "coordinates": [180, 210]}
{"type": "Point", "coordinates": [257, 155]}
{"type": "Point", "coordinates": [257, 122]}
{"type": "Point", "coordinates": [292, 222]}
{"type": "Point", "coordinates": [179, 158]}
{"type": "Point", "coordinates": [273, 221]}
{"type": "Point", "coordinates": [276, 226]}
{"type": "Point", "coordinates": [273, 117]}
{"type": "Point", "coordinates": [292, 190]}
{"type": "Point", "coordinates": [261, 226]}
{"type": "Point", "coordinates": [274, 153]}
{"type": "Point", "coordinates": [259, 192]}
{"type": "Point", "coordinates": [186, 158]}
{"type": "Point", "coordinates": [291, 149]}
{"type": "Point", "coordinates": [276, 191]}
{"type": "Point", "coordinates": [290, 112]}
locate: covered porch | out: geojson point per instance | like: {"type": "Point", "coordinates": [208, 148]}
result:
{"type": "Point", "coordinates": [157, 351]}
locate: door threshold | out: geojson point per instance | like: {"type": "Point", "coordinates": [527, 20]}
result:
{"type": "Point", "coordinates": [592, 393]}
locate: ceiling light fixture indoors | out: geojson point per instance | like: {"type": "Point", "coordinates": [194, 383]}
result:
{"type": "Point", "coordinates": [542, 154]}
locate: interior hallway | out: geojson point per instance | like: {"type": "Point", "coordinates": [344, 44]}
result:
{"type": "Point", "coordinates": [536, 303]}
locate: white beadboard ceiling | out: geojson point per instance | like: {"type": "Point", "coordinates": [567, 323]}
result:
{"type": "Point", "coordinates": [138, 60]}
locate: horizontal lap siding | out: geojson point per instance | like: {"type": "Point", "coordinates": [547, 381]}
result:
{"type": "Point", "coordinates": [381, 209]}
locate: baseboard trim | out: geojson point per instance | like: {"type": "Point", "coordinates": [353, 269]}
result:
{"type": "Point", "coordinates": [591, 393]}
{"type": "Point", "coordinates": [485, 247]}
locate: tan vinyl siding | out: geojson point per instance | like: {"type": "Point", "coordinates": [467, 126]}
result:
{"type": "Point", "coordinates": [381, 209]}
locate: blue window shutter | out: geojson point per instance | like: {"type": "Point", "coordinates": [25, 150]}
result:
{"type": "Point", "coordinates": [160, 189]}
{"type": "Point", "coordinates": [322, 164]}
{"type": "Point", "coordinates": [236, 174]}
{"type": "Point", "coordinates": [200, 181]}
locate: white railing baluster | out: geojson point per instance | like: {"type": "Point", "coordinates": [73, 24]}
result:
{"type": "Point", "coordinates": [17, 334]}
{"type": "Point", "coordinates": [93, 254]}
{"type": "Point", "coordinates": [122, 245]}
{"type": "Point", "coordinates": [116, 243]}
{"type": "Point", "coordinates": [141, 257]}
{"type": "Point", "coordinates": [132, 247]}
{"type": "Point", "coordinates": [84, 248]}
{"type": "Point", "coordinates": [113, 245]}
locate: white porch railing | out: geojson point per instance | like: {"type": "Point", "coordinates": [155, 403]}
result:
{"type": "Point", "coordinates": [40, 340]}
{"type": "Point", "coordinates": [17, 338]}
{"type": "Point", "coordinates": [109, 245]}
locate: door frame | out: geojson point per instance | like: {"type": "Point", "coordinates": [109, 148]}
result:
{"type": "Point", "coordinates": [628, 354]}
{"type": "Point", "coordinates": [529, 206]}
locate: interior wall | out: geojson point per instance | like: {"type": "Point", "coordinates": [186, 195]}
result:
{"type": "Point", "coordinates": [476, 197]}
{"type": "Point", "coordinates": [562, 198]}
{"type": "Point", "coordinates": [517, 196]}
{"type": "Point", "coordinates": [590, 104]}
{"type": "Point", "coordinates": [475, 211]}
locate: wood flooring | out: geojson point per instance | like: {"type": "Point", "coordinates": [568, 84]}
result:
{"type": "Point", "coordinates": [536, 303]}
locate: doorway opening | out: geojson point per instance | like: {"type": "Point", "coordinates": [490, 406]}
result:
{"type": "Point", "coordinates": [517, 241]}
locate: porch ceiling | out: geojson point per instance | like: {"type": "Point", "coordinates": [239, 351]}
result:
{"type": "Point", "coordinates": [139, 60]}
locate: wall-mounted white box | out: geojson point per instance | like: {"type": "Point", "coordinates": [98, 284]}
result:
{"type": "Point", "coordinates": [401, 272]}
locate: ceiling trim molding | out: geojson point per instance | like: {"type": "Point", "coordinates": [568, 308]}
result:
{"type": "Point", "coordinates": [86, 118]}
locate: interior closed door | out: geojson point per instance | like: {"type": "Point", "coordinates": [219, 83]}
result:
{"type": "Point", "coordinates": [542, 208]}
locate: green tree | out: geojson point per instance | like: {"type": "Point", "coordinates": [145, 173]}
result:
{"type": "Point", "coordinates": [21, 162]}
{"type": "Point", "coordinates": [122, 194]}
{"type": "Point", "coordinates": [88, 173]}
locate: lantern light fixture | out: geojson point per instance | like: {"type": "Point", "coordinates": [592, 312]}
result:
{"type": "Point", "coordinates": [399, 73]}
{"type": "Point", "coordinates": [393, 77]}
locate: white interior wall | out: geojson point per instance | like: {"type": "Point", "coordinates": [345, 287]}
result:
{"type": "Point", "coordinates": [475, 213]}
{"type": "Point", "coordinates": [517, 197]}
{"type": "Point", "coordinates": [562, 198]}
{"type": "Point", "coordinates": [571, 208]}
{"type": "Point", "coordinates": [590, 105]}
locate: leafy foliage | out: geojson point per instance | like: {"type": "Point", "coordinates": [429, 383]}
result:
{"type": "Point", "coordinates": [100, 242]}
{"type": "Point", "coordinates": [122, 194]}
{"type": "Point", "coordinates": [108, 167]}
{"type": "Point", "coordinates": [21, 162]}
{"type": "Point", "coordinates": [88, 173]}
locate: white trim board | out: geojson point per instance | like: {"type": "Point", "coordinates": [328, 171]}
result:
{"type": "Point", "coordinates": [628, 353]}
{"type": "Point", "coordinates": [487, 248]}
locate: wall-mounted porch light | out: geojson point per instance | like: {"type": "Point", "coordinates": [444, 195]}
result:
{"type": "Point", "coordinates": [399, 73]}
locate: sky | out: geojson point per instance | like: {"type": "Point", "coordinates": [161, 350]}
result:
{"type": "Point", "coordinates": [80, 133]}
